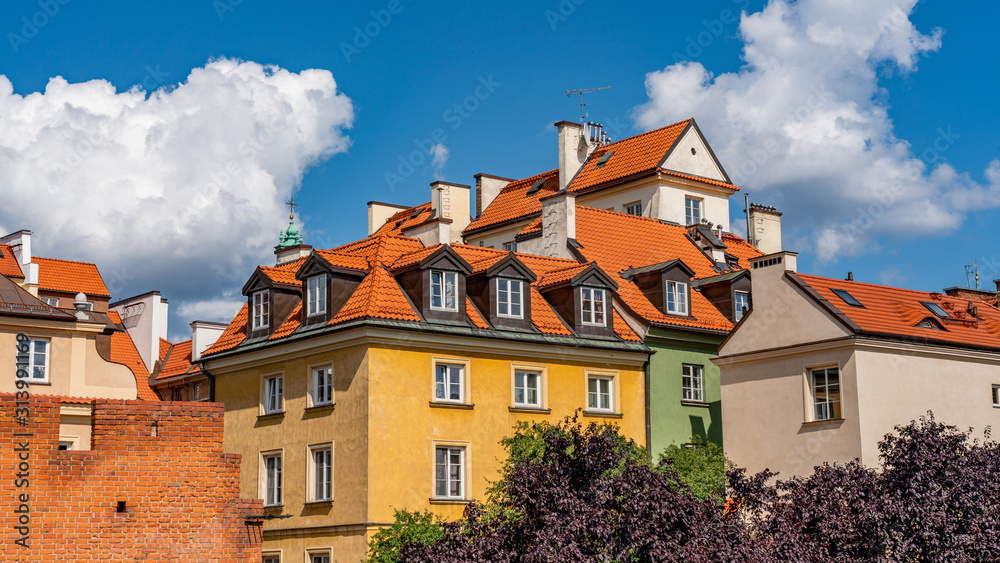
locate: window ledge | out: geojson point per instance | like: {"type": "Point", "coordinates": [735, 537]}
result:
{"type": "Point", "coordinates": [271, 415]}
{"type": "Point", "coordinates": [37, 382]}
{"type": "Point", "coordinates": [434, 500]}
{"type": "Point", "coordinates": [827, 422]}
{"type": "Point", "coordinates": [274, 506]}
{"type": "Point", "coordinates": [318, 502]}
{"type": "Point", "coordinates": [320, 408]}
{"type": "Point", "coordinates": [701, 404]}
{"type": "Point", "coordinates": [444, 405]}
{"type": "Point", "coordinates": [530, 410]}
{"type": "Point", "coordinates": [603, 414]}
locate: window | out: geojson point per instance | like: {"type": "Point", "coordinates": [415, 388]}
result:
{"type": "Point", "coordinates": [272, 479]}
{"type": "Point", "coordinates": [274, 401]}
{"type": "Point", "coordinates": [69, 445]}
{"type": "Point", "coordinates": [692, 211]}
{"type": "Point", "coordinates": [316, 295]}
{"type": "Point", "coordinates": [197, 391]}
{"type": "Point", "coordinates": [604, 159]}
{"type": "Point", "coordinates": [322, 386]}
{"type": "Point", "coordinates": [261, 305]}
{"type": "Point", "coordinates": [444, 290]}
{"type": "Point", "coordinates": [510, 246]}
{"type": "Point", "coordinates": [271, 559]}
{"type": "Point", "coordinates": [677, 298]}
{"type": "Point", "coordinates": [448, 382]}
{"type": "Point", "coordinates": [176, 394]}
{"type": "Point", "coordinates": [321, 473]}
{"type": "Point", "coordinates": [508, 298]}
{"type": "Point", "coordinates": [848, 298]}
{"type": "Point", "coordinates": [633, 208]}
{"type": "Point", "coordinates": [996, 396]}
{"type": "Point", "coordinates": [826, 393]}
{"type": "Point", "coordinates": [693, 383]}
{"type": "Point", "coordinates": [449, 467]}
{"type": "Point", "coordinates": [319, 558]}
{"type": "Point", "coordinates": [741, 304]}
{"type": "Point", "coordinates": [936, 309]}
{"type": "Point", "coordinates": [50, 301]}
{"type": "Point", "coordinates": [88, 306]}
{"type": "Point", "coordinates": [599, 391]}
{"type": "Point", "coordinates": [38, 360]}
{"type": "Point", "coordinates": [527, 389]}
{"type": "Point", "coordinates": [592, 306]}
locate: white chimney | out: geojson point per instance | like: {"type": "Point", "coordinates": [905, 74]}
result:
{"type": "Point", "coordinates": [203, 335]}
{"type": "Point", "coordinates": [487, 189]}
{"type": "Point", "coordinates": [145, 320]}
{"type": "Point", "coordinates": [573, 151]}
{"type": "Point", "coordinates": [451, 201]}
{"type": "Point", "coordinates": [20, 243]}
{"type": "Point", "coordinates": [379, 213]}
{"type": "Point", "coordinates": [558, 224]}
{"type": "Point", "coordinates": [765, 228]}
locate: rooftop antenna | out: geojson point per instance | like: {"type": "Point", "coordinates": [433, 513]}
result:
{"type": "Point", "coordinates": [581, 92]}
{"type": "Point", "coordinates": [970, 269]}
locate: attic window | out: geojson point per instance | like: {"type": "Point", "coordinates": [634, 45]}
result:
{"type": "Point", "coordinates": [604, 159]}
{"type": "Point", "coordinates": [936, 309]}
{"type": "Point", "coordinates": [535, 187]}
{"type": "Point", "coordinates": [848, 298]}
{"type": "Point", "coordinates": [930, 324]}
{"type": "Point", "coordinates": [415, 213]}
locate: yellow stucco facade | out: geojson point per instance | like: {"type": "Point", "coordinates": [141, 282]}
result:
{"type": "Point", "coordinates": [385, 423]}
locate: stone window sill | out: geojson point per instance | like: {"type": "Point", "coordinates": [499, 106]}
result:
{"type": "Point", "coordinates": [529, 410]}
{"type": "Point", "coordinates": [701, 404]}
{"type": "Point", "coordinates": [271, 415]}
{"type": "Point", "coordinates": [320, 408]}
{"type": "Point", "coordinates": [433, 500]}
{"type": "Point", "coordinates": [443, 405]}
{"type": "Point", "coordinates": [827, 422]}
{"type": "Point", "coordinates": [603, 414]}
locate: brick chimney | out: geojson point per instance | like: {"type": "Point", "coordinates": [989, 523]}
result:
{"type": "Point", "coordinates": [765, 228]}
{"type": "Point", "coordinates": [573, 151]}
{"type": "Point", "coordinates": [558, 224]}
{"type": "Point", "coordinates": [487, 189]}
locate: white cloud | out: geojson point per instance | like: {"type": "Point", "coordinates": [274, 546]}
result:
{"type": "Point", "coordinates": [439, 159]}
{"type": "Point", "coordinates": [180, 191]}
{"type": "Point", "coordinates": [804, 124]}
{"type": "Point", "coordinates": [219, 309]}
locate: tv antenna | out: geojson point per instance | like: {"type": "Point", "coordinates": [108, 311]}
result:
{"type": "Point", "coordinates": [581, 92]}
{"type": "Point", "coordinates": [970, 269]}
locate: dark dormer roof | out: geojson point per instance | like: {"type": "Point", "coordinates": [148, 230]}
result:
{"type": "Point", "coordinates": [661, 267]}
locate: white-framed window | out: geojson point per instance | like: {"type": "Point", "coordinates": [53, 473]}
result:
{"type": "Point", "coordinates": [316, 295]}
{"type": "Point", "coordinates": [634, 208]}
{"type": "Point", "coordinates": [271, 558]}
{"type": "Point", "coordinates": [692, 383]}
{"type": "Point", "coordinates": [509, 298]}
{"type": "Point", "coordinates": [38, 360]}
{"type": "Point", "coordinates": [825, 385]}
{"type": "Point", "coordinates": [449, 382]}
{"type": "Point", "coordinates": [996, 396]}
{"type": "Point", "coordinates": [320, 473]}
{"type": "Point", "coordinates": [272, 480]}
{"type": "Point", "coordinates": [66, 445]}
{"type": "Point", "coordinates": [274, 394]}
{"type": "Point", "coordinates": [449, 472]}
{"type": "Point", "coordinates": [692, 210]}
{"type": "Point", "coordinates": [600, 393]}
{"type": "Point", "coordinates": [677, 298]}
{"type": "Point", "coordinates": [444, 290]}
{"type": "Point", "coordinates": [592, 306]}
{"type": "Point", "coordinates": [510, 246]}
{"type": "Point", "coordinates": [741, 304]}
{"type": "Point", "coordinates": [319, 557]}
{"type": "Point", "coordinates": [197, 392]}
{"type": "Point", "coordinates": [322, 386]}
{"type": "Point", "coordinates": [261, 309]}
{"type": "Point", "coordinates": [527, 389]}
{"type": "Point", "coordinates": [50, 301]}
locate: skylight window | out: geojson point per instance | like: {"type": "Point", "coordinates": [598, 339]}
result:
{"type": "Point", "coordinates": [936, 309]}
{"type": "Point", "coordinates": [536, 186]}
{"type": "Point", "coordinates": [416, 212]}
{"type": "Point", "coordinates": [848, 298]}
{"type": "Point", "coordinates": [604, 159]}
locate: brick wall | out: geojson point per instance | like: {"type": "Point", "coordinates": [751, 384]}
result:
{"type": "Point", "coordinates": [163, 460]}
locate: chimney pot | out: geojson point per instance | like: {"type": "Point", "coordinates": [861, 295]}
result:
{"type": "Point", "coordinates": [850, 276]}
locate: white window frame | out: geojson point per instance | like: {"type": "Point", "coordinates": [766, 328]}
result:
{"type": "Point", "coordinates": [737, 310]}
{"type": "Point", "coordinates": [693, 204]}
{"type": "Point", "coordinates": [271, 557]}
{"type": "Point", "coordinates": [444, 280]}
{"type": "Point", "coordinates": [312, 554]}
{"type": "Point", "coordinates": [609, 390]}
{"type": "Point", "coordinates": [320, 394]}
{"type": "Point", "coordinates": [449, 450]}
{"type": "Point", "coordinates": [33, 359]}
{"type": "Point", "coordinates": [266, 397]}
{"type": "Point", "coordinates": [505, 287]}
{"type": "Point", "coordinates": [446, 383]}
{"type": "Point", "coordinates": [677, 298]}
{"type": "Point", "coordinates": [313, 492]}
{"type": "Point", "coordinates": [272, 478]}
{"type": "Point", "coordinates": [525, 374]}
{"type": "Point", "coordinates": [996, 396]}
{"type": "Point", "coordinates": [316, 295]}
{"type": "Point", "coordinates": [50, 301]}
{"type": "Point", "coordinates": [693, 383]}
{"type": "Point", "coordinates": [260, 309]}
{"type": "Point", "coordinates": [634, 208]}
{"type": "Point", "coordinates": [510, 246]}
{"type": "Point", "coordinates": [591, 316]}
{"type": "Point", "coordinates": [830, 406]}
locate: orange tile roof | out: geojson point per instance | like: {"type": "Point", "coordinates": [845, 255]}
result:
{"type": "Point", "coordinates": [513, 202]}
{"type": "Point", "coordinates": [178, 362]}
{"type": "Point", "coordinates": [378, 296]}
{"type": "Point", "coordinates": [633, 155]}
{"type": "Point", "coordinates": [291, 323]}
{"type": "Point", "coordinates": [894, 311]}
{"type": "Point", "coordinates": [532, 228]}
{"type": "Point", "coordinates": [414, 257]}
{"type": "Point", "coordinates": [8, 263]}
{"type": "Point", "coordinates": [544, 318]}
{"type": "Point", "coordinates": [234, 334]}
{"type": "Point", "coordinates": [622, 329]}
{"type": "Point", "coordinates": [553, 277]}
{"type": "Point", "coordinates": [399, 222]}
{"type": "Point", "coordinates": [123, 352]}
{"type": "Point", "coordinates": [164, 348]}
{"type": "Point", "coordinates": [474, 315]}
{"type": "Point", "coordinates": [70, 277]}
{"type": "Point", "coordinates": [341, 260]}
{"type": "Point", "coordinates": [280, 274]}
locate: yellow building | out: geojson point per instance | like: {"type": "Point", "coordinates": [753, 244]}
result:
{"type": "Point", "coordinates": [383, 374]}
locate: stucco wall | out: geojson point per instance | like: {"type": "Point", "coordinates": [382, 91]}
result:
{"type": "Point", "coordinates": [699, 163]}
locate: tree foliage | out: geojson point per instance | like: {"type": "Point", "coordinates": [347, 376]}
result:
{"type": "Point", "coordinates": [409, 528]}
{"type": "Point", "coordinates": [701, 466]}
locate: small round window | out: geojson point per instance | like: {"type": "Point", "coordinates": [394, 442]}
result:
{"type": "Point", "coordinates": [694, 150]}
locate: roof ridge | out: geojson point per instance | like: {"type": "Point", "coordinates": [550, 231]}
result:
{"type": "Point", "coordinates": [882, 286]}
{"type": "Point", "coordinates": [628, 216]}
{"type": "Point", "coordinates": [34, 258]}
{"type": "Point", "coordinates": [650, 132]}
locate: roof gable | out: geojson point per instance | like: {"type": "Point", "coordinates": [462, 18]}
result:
{"type": "Point", "coordinates": [67, 276]}
{"type": "Point", "coordinates": [691, 154]}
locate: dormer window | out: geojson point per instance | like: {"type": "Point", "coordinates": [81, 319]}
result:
{"type": "Point", "coordinates": [444, 290]}
{"type": "Point", "coordinates": [741, 304]}
{"type": "Point", "coordinates": [677, 298]}
{"type": "Point", "coordinates": [316, 295]}
{"type": "Point", "coordinates": [261, 309]}
{"type": "Point", "coordinates": [592, 306]}
{"type": "Point", "coordinates": [509, 298]}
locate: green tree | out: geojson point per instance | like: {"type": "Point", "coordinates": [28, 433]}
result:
{"type": "Point", "coordinates": [408, 529]}
{"type": "Point", "coordinates": [702, 467]}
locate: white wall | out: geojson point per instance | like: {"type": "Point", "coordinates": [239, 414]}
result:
{"type": "Point", "coordinates": [700, 163]}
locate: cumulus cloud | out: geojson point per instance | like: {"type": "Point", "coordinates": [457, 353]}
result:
{"type": "Point", "coordinates": [804, 124]}
{"type": "Point", "coordinates": [439, 159]}
{"type": "Point", "coordinates": [181, 189]}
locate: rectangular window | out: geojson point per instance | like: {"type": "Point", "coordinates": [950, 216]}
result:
{"type": "Point", "coordinates": [692, 210]}
{"type": "Point", "coordinates": [693, 383]}
{"type": "Point", "coordinates": [449, 382]}
{"type": "Point", "coordinates": [510, 246]}
{"type": "Point", "coordinates": [527, 389]}
{"type": "Point", "coordinates": [322, 386]}
{"type": "Point", "coordinates": [176, 394]}
{"type": "Point", "coordinates": [271, 559]}
{"type": "Point", "coordinates": [634, 208]}
{"type": "Point", "coordinates": [261, 306]}
{"type": "Point", "coordinates": [319, 558]}
{"type": "Point", "coordinates": [677, 298]}
{"type": "Point", "coordinates": [65, 445]}
{"type": "Point", "coordinates": [509, 298]}
{"type": "Point", "coordinates": [38, 360]}
{"type": "Point", "coordinates": [996, 396]}
{"type": "Point", "coordinates": [444, 290]}
{"type": "Point", "coordinates": [272, 480]}
{"type": "Point", "coordinates": [592, 306]}
{"type": "Point", "coordinates": [449, 466]}
{"type": "Point", "coordinates": [50, 301]}
{"type": "Point", "coordinates": [826, 393]}
{"type": "Point", "coordinates": [322, 473]}
{"type": "Point", "coordinates": [599, 394]}
{"type": "Point", "coordinates": [741, 304]}
{"type": "Point", "coordinates": [316, 295]}
{"type": "Point", "coordinates": [274, 401]}
{"type": "Point", "coordinates": [197, 391]}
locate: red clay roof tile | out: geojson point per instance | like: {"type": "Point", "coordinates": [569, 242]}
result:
{"type": "Point", "coordinates": [633, 155]}
{"type": "Point", "coordinates": [291, 323]}
{"type": "Point", "coordinates": [178, 362]}
{"type": "Point", "coordinates": [70, 277]}
{"type": "Point", "coordinates": [123, 352]}
{"type": "Point", "coordinates": [378, 296]}
{"type": "Point", "coordinates": [513, 202]}
{"type": "Point", "coordinates": [235, 333]}
{"type": "Point", "coordinates": [474, 315]}
{"type": "Point", "coordinates": [8, 263]}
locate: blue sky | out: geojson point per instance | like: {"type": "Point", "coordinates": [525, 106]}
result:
{"type": "Point", "coordinates": [403, 77]}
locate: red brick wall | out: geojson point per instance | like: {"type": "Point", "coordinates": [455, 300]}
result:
{"type": "Point", "coordinates": [181, 492]}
